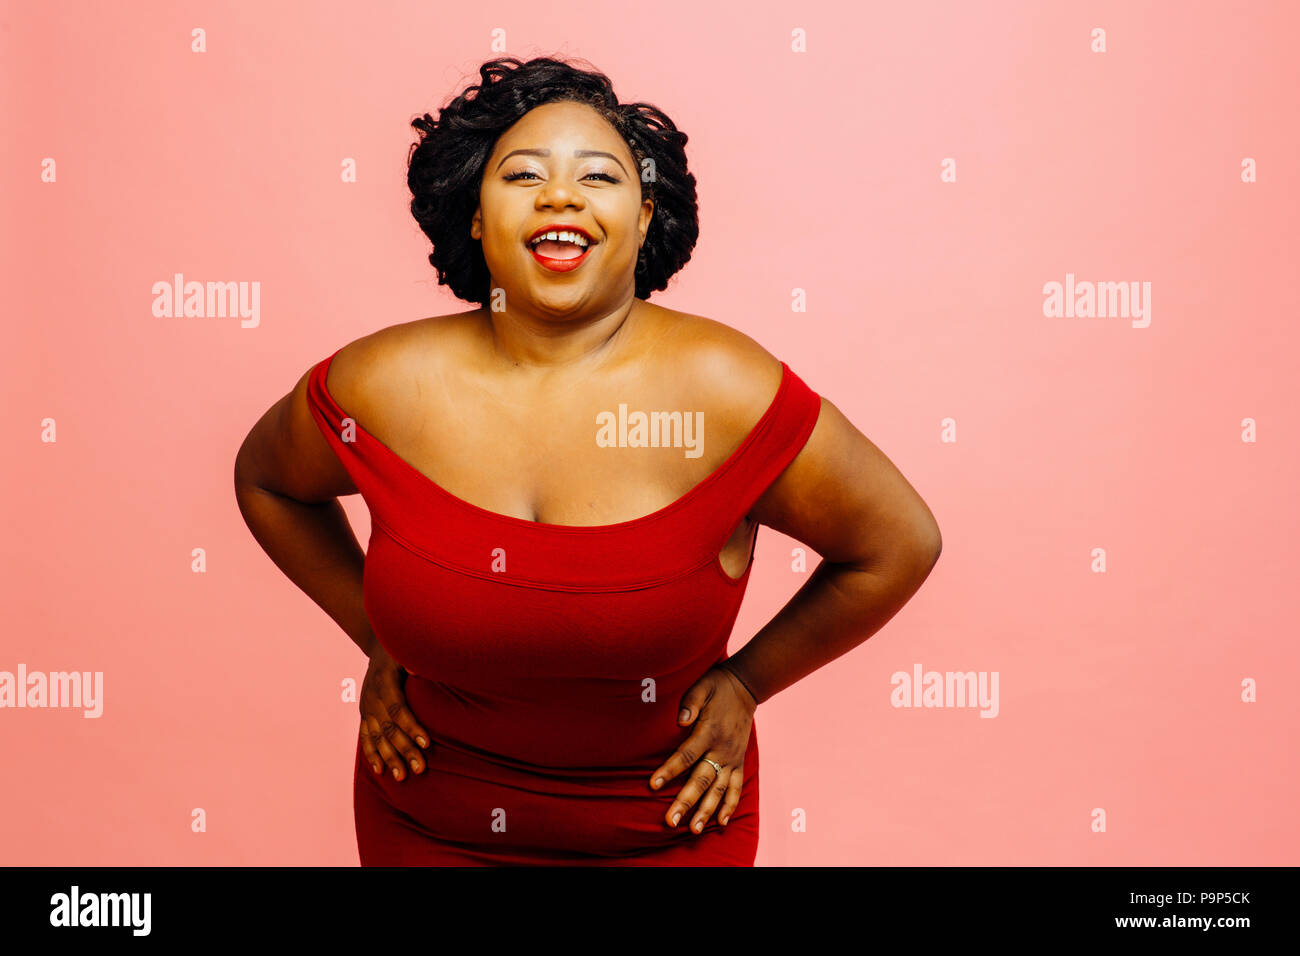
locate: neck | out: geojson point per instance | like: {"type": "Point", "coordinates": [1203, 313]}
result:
{"type": "Point", "coordinates": [521, 341]}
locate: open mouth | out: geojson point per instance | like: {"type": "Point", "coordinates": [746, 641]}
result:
{"type": "Point", "coordinates": [560, 250]}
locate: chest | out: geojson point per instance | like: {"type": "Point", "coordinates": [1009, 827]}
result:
{"type": "Point", "coordinates": [586, 458]}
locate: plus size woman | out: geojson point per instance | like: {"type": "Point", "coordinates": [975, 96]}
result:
{"type": "Point", "coordinates": [565, 485]}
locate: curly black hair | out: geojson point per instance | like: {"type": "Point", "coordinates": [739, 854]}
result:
{"type": "Point", "coordinates": [445, 168]}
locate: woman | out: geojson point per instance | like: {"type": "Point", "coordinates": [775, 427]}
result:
{"type": "Point", "coordinates": [558, 548]}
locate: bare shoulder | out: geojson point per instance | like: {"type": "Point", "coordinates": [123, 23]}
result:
{"type": "Point", "coordinates": [728, 372]}
{"type": "Point", "coordinates": [375, 377]}
{"type": "Point", "coordinates": [840, 494]}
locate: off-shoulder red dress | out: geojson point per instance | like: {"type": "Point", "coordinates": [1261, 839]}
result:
{"type": "Point", "coordinates": [547, 661]}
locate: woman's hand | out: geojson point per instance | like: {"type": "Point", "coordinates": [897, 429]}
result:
{"type": "Point", "coordinates": [387, 726]}
{"type": "Point", "coordinates": [726, 713]}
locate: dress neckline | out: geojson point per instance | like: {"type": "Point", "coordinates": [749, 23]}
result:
{"type": "Point", "coordinates": [697, 489]}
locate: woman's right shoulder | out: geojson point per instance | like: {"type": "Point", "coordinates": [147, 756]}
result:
{"type": "Point", "coordinates": [384, 369]}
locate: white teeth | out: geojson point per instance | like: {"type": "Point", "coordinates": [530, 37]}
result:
{"type": "Point", "coordinates": [564, 236]}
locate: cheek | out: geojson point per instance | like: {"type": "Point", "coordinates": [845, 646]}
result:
{"type": "Point", "coordinates": [626, 252]}
{"type": "Point", "coordinates": [498, 248]}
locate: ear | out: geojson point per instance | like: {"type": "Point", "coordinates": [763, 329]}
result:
{"type": "Point", "coordinates": [476, 224]}
{"type": "Point", "coordinates": [647, 211]}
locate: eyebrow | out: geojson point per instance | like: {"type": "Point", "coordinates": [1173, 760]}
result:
{"type": "Point", "coordinates": [580, 153]}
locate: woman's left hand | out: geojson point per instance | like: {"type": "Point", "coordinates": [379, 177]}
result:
{"type": "Point", "coordinates": [723, 713]}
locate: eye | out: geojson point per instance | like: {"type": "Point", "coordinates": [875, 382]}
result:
{"type": "Point", "coordinates": [511, 177]}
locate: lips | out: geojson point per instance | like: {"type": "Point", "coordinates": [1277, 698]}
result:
{"type": "Point", "coordinates": [560, 255]}
{"type": "Point", "coordinates": [561, 265]}
{"type": "Point", "coordinates": [563, 227]}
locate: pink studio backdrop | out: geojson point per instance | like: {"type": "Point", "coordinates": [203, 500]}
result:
{"type": "Point", "coordinates": [921, 171]}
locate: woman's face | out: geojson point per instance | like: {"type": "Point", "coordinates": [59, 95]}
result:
{"type": "Point", "coordinates": [562, 165]}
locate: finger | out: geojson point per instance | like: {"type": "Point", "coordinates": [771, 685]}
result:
{"type": "Point", "coordinates": [693, 701]}
{"type": "Point", "coordinates": [394, 701]}
{"type": "Point", "coordinates": [712, 796]}
{"type": "Point", "coordinates": [390, 757]}
{"type": "Point", "coordinates": [686, 756]}
{"type": "Point", "coordinates": [399, 741]}
{"type": "Point", "coordinates": [690, 794]}
{"type": "Point", "coordinates": [368, 749]}
{"type": "Point", "coordinates": [396, 765]}
{"type": "Point", "coordinates": [734, 786]}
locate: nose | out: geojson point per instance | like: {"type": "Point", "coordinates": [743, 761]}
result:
{"type": "Point", "coordinates": [557, 192]}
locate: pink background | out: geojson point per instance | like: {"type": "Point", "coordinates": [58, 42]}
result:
{"type": "Point", "coordinates": [818, 171]}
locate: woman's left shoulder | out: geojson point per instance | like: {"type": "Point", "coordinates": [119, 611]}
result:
{"type": "Point", "coordinates": [727, 369]}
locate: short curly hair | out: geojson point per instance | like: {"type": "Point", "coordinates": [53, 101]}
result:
{"type": "Point", "coordinates": [445, 168]}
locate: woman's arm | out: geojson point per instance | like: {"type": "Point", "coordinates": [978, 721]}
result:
{"type": "Point", "coordinates": [287, 483]}
{"type": "Point", "coordinates": [844, 499]}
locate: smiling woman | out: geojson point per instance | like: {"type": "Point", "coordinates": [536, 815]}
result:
{"type": "Point", "coordinates": [546, 612]}
{"type": "Point", "coordinates": [637, 168]}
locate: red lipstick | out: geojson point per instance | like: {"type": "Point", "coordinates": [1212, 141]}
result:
{"type": "Point", "coordinates": [560, 264]}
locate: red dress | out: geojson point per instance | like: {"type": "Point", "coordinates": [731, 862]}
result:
{"type": "Point", "coordinates": [547, 661]}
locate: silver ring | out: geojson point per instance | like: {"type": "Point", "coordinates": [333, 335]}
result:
{"type": "Point", "coordinates": [716, 766]}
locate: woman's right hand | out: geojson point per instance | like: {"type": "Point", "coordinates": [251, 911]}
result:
{"type": "Point", "coordinates": [389, 731]}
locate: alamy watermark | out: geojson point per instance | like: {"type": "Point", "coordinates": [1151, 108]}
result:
{"type": "Point", "coordinates": [84, 689]}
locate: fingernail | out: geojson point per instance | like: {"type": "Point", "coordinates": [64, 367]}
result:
{"type": "Point", "coordinates": [375, 767]}
{"type": "Point", "coordinates": [659, 781]}
{"type": "Point", "coordinates": [395, 774]}
{"type": "Point", "coordinates": [421, 741]}
{"type": "Point", "coordinates": [724, 819]}
{"type": "Point", "coordinates": [684, 715]}
{"type": "Point", "coordinates": [676, 817]}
